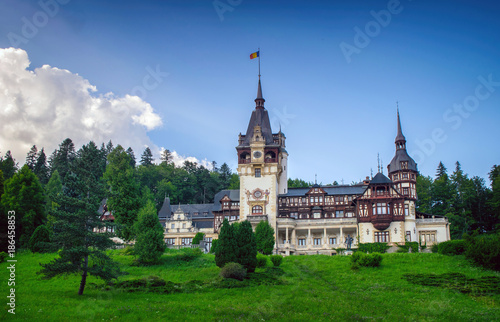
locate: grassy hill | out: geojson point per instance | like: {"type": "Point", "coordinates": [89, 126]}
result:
{"type": "Point", "coordinates": [305, 288]}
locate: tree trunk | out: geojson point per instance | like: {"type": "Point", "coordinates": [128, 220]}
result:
{"type": "Point", "coordinates": [84, 275]}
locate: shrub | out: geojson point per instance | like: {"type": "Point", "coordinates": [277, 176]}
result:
{"type": "Point", "coordinates": [227, 248]}
{"type": "Point", "coordinates": [3, 256]}
{"type": "Point", "coordinates": [264, 235]}
{"type": "Point", "coordinates": [435, 248]}
{"type": "Point", "coordinates": [373, 247]}
{"type": "Point", "coordinates": [149, 244]}
{"type": "Point", "coordinates": [261, 260]}
{"type": "Point", "coordinates": [213, 249]}
{"type": "Point", "coordinates": [406, 247]}
{"type": "Point", "coordinates": [39, 240]}
{"type": "Point", "coordinates": [452, 247]}
{"type": "Point", "coordinates": [188, 254]}
{"type": "Point", "coordinates": [246, 246]}
{"type": "Point", "coordinates": [483, 250]}
{"type": "Point", "coordinates": [233, 270]}
{"type": "Point", "coordinates": [276, 259]}
{"type": "Point", "coordinates": [366, 260]}
{"type": "Point", "coordinates": [198, 238]}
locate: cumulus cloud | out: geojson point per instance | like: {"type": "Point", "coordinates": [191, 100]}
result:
{"type": "Point", "coordinates": [180, 159]}
{"type": "Point", "coordinates": [49, 104]}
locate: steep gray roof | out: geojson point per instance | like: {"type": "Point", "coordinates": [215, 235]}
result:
{"type": "Point", "coordinates": [380, 178]}
{"type": "Point", "coordinates": [260, 117]}
{"type": "Point", "coordinates": [330, 190]}
{"type": "Point", "coordinates": [401, 155]}
{"type": "Point", "coordinates": [165, 210]}
{"type": "Point", "coordinates": [196, 210]}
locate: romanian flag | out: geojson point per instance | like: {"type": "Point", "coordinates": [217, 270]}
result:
{"type": "Point", "coordinates": [254, 55]}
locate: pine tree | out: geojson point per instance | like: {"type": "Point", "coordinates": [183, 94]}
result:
{"type": "Point", "coordinates": [247, 246]}
{"type": "Point", "coordinates": [62, 158]}
{"type": "Point", "coordinates": [82, 249]}
{"type": "Point", "coordinates": [149, 245]}
{"type": "Point", "coordinates": [24, 194]}
{"type": "Point", "coordinates": [8, 165]}
{"type": "Point", "coordinates": [147, 157]}
{"type": "Point", "coordinates": [264, 235]}
{"type": "Point", "coordinates": [130, 152]}
{"type": "Point", "coordinates": [31, 158]}
{"type": "Point", "coordinates": [166, 157]}
{"type": "Point", "coordinates": [41, 169]}
{"type": "Point", "coordinates": [39, 241]}
{"type": "Point", "coordinates": [227, 249]}
{"type": "Point", "coordinates": [124, 199]}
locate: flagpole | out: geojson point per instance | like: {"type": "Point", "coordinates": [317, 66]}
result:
{"type": "Point", "coordinates": [259, 62]}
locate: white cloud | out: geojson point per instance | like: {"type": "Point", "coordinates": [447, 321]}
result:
{"type": "Point", "coordinates": [49, 104]}
{"type": "Point", "coordinates": [180, 159]}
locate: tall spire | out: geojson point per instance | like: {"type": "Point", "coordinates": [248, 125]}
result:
{"type": "Point", "coordinates": [400, 138]}
{"type": "Point", "coordinates": [259, 101]}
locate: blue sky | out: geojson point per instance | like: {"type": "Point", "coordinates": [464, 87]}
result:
{"type": "Point", "coordinates": [338, 110]}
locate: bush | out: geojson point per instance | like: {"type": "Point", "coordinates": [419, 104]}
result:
{"type": "Point", "coordinates": [3, 256]}
{"type": "Point", "coordinates": [261, 260]}
{"type": "Point", "coordinates": [373, 247]}
{"type": "Point", "coordinates": [435, 248]}
{"type": "Point", "coordinates": [38, 242]}
{"type": "Point", "coordinates": [483, 250]}
{"type": "Point", "coordinates": [233, 270]}
{"type": "Point", "coordinates": [264, 235]}
{"type": "Point", "coordinates": [149, 243]}
{"type": "Point", "coordinates": [213, 249]}
{"type": "Point", "coordinates": [188, 254]}
{"type": "Point", "coordinates": [406, 247]}
{"type": "Point", "coordinates": [366, 260]}
{"type": "Point", "coordinates": [276, 259]}
{"type": "Point", "coordinates": [452, 247]}
{"type": "Point", "coordinates": [198, 238]}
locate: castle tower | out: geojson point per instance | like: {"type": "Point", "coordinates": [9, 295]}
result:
{"type": "Point", "coordinates": [262, 167]}
{"type": "Point", "coordinates": [403, 172]}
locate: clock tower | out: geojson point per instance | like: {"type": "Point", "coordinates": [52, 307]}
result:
{"type": "Point", "coordinates": [262, 167]}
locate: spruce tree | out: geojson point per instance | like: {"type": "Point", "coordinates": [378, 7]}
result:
{"type": "Point", "coordinates": [264, 235]}
{"type": "Point", "coordinates": [130, 152]}
{"type": "Point", "coordinates": [147, 157]}
{"type": "Point", "coordinates": [39, 241]}
{"type": "Point", "coordinates": [198, 238]}
{"type": "Point", "coordinates": [149, 244]}
{"type": "Point", "coordinates": [41, 169]}
{"type": "Point", "coordinates": [227, 249]}
{"type": "Point", "coordinates": [8, 165]}
{"type": "Point", "coordinates": [31, 158]}
{"type": "Point", "coordinates": [77, 222]}
{"type": "Point", "coordinates": [247, 246]}
{"type": "Point", "coordinates": [62, 158]}
{"type": "Point", "coordinates": [166, 156]}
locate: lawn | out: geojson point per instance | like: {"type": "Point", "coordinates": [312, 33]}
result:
{"type": "Point", "coordinates": [309, 288]}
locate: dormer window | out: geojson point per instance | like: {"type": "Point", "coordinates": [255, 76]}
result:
{"type": "Point", "coordinates": [404, 164]}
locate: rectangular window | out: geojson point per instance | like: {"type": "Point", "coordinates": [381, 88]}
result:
{"type": "Point", "coordinates": [407, 210]}
{"type": "Point", "coordinates": [208, 239]}
{"type": "Point", "coordinates": [333, 240]}
{"type": "Point", "coordinates": [173, 226]}
{"type": "Point", "coordinates": [317, 241]}
{"type": "Point", "coordinates": [186, 241]}
{"type": "Point", "coordinates": [233, 217]}
{"type": "Point", "coordinates": [302, 242]}
{"type": "Point", "coordinates": [405, 191]}
{"type": "Point", "coordinates": [257, 172]}
{"type": "Point", "coordinates": [339, 213]}
{"type": "Point", "coordinates": [317, 215]}
{"type": "Point", "coordinates": [170, 241]}
{"type": "Point", "coordinates": [380, 209]}
{"type": "Point", "coordinates": [408, 236]}
{"type": "Point", "coordinates": [183, 225]}
{"type": "Point", "coordinates": [381, 236]}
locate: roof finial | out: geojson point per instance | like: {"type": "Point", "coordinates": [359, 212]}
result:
{"type": "Point", "coordinates": [259, 101]}
{"type": "Point", "coordinates": [378, 162]}
{"type": "Point", "coordinates": [315, 178]}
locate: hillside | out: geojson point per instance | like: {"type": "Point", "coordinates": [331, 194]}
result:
{"type": "Point", "coordinates": [305, 288]}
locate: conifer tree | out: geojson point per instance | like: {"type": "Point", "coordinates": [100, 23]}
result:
{"type": "Point", "coordinates": [198, 238]}
{"type": "Point", "coordinates": [77, 220]}
{"type": "Point", "coordinates": [62, 158]}
{"type": "Point", "coordinates": [166, 156]}
{"type": "Point", "coordinates": [147, 157]}
{"type": "Point", "coordinates": [247, 246]}
{"type": "Point", "coordinates": [227, 248]}
{"type": "Point", "coordinates": [264, 235]}
{"type": "Point", "coordinates": [130, 152]}
{"type": "Point", "coordinates": [31, 158]}
{"type": "Point", "coordinates": [39, 241]}
{"type": "Point", "coordinates": [24, 194]}
{"type": "Point", "coordinates": [8, 165]}
{"type": "Point", "coordinates": [41, 169]}
{"type": "Point", "coordinates": [149, 245]}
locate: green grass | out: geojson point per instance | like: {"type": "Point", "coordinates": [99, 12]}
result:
{"type": "Point", "coordinates": [311, 288]}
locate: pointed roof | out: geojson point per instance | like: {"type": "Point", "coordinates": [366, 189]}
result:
{"type": "Point", "coordinates": [380, 178]}
{"type": "Point", "coordinates": [400, 136]}
{"type": "Point", "coordinates": [259, 101]}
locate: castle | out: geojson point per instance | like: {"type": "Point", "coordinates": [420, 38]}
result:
{"type": "Point", "coordinates": [313, 220]}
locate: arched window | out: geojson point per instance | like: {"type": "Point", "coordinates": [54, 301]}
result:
{"type": "Point", "coordinates": [257, 210]}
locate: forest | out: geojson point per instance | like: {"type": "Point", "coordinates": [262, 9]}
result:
{"type": "Point", "coordinates": [35, 191]}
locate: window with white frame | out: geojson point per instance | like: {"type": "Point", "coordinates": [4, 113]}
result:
{"type": "Point", "coordinates": [317, 241]}
{"type": "Point", "coordinates": [333, 240]}
{"type": "Point", "coordinates": [302, 241]}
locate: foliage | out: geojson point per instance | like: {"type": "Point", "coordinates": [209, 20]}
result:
{"type": "Point", "coordinates": [298, 183]}
{"type": "Point", "coordinates": [82, 250]}
{"type": "Point", "coordinates": [483, 250]}
{"type": "Point", "coordinates": [227, 248]}
{"type": "Point", "coordinates": [276, 260]}
{"type": "Point", "coordinates": [246, 246]}
{"type": "Point", "coordinates": [149, 245]}
{"type": "Point", "coordinates": [264, 234]}
{"type": "Point", "coordinates": [366, 260]}
{"type": "Point", "coordinates": [198, 238]}
{"type": "Point", "coordinates": [147, 157]}
{"type": "Point", "coordinates": [233, 270]}
{"type": "Point", "coordinates": [435, 248]}
{"type": "Point", "coordinates": [406, 247]}
{"type": "Point", "coordinates": [452, 247]}
{"type": "Point", "coordinates": [123, 197]}
{"type": "Point", "coordinates": [41, 168]}
{"type": "Point", "coordinates": [38, 242]}
{"type": "Point", "coordinates": [189, 254]}
{"type": "Point", "coordinates": [213, 249]}
{"type": "Point", "coordinates": [3, 256]}
{"type": "Point", "coordinates": [62, 158]}
{"type": "Point", "coordinates": [261, 260]}
{"type": "Point", "coordinates": [23, 194]}
{"type": "Point", "coordinates": [8, 165]}
{"type": "Point", "coordinates": [373, 247]}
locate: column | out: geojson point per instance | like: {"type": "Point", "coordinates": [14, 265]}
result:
{"type": "Point", "coordinates": [294, 238]}
{"type": "Point", "coordinates": [308, 242]}
{"type": "Point", "coordinates": [286, 237]}
{"type": "Point", "coordinates": [325, 241]}
{"type": "Point", "coordinates": [341, 241]}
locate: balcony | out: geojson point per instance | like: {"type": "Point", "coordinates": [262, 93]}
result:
{"type": "Point", "coordinates": [256, 218]}
{"type": "Point", "coordinates": [431, 220]}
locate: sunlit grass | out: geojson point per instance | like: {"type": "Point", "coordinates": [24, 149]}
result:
{"type": "Point", "coordinates": [314, 288]}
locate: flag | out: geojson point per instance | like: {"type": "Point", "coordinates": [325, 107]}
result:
{"type": "Point", "coordinates": [254, 55]}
